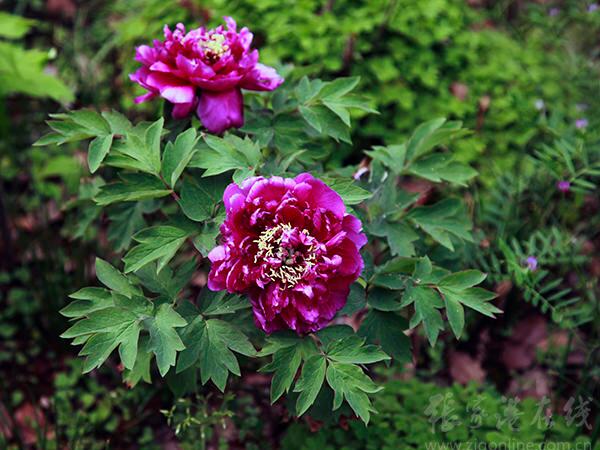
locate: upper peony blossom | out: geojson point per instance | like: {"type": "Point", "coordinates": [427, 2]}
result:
{"type": "Point", "coordinates": [290, 245]}
{"type": "Point", "coordinates": [204, 69]}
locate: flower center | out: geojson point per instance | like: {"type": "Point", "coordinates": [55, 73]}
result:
{"type": "Point", "coordinates": [214, 47]}
{"type": "Point", "coordinates": [286, 255]}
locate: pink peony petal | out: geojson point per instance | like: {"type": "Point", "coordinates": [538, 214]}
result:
{"type": "Point", "coordinates": [245, 38]}
{"type": "Point", "coordinates": [231, 25]}
{"type": "Point", "coordinates": [262, 78]}
{"type": "Point", "coordinates": [221, 83]}
{"type": "Point", "coordinates": [183, 110]}
{"type": "Point", "coordinates": [179, 94]}
{"type": "Point", "coordinates": [217, 254]}
{"type": "Point", "coordinates": [220, 111]}
{"type": "Point", "coordinates": [145, 54]}
{"type": "Point", "coordinates": [170, 88]}
{"type": "Point", "coordinates": [321, 195]}
{"type": "Point", "coordinates": [160, 66]}
{"type": "Point", "coordinates": [145, 97]}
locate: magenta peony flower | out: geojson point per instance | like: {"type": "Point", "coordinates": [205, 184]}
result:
{"type": "Point", "coordinates": [204, 70]}
{"type": "Point", "coordinates": [290, 245]}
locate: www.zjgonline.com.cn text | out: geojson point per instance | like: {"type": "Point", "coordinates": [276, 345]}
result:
{"type": "Point", "coordinates": [507, 445]}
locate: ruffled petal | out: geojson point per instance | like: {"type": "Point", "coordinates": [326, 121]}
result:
{"type": "Point", "coordinates": [160, 66]}
{"type": "Point", "coordinates": [171, 88]}
{"type": "Point", "coordinates": [230, 22]}
{"type": "Point", "coordinates": [320, 194]}
{"type": "Point", "coordinates": [183, 110]}
{"type": "Point", "coordinates": [145, 54]}
{"type": "Point", "coordinates": [192, 69]}
{"type": "Point", "coordinates": [353, 228]}
{"type": "Point", "coordinates": [139, 76]}
{"type": "Point", "coordinates": [145, 97]}
{"type": "Point", "coordinates": [261, 78]}
{"type": "Point", "coordinates": [220, 111]}
{"type": "Point", "coordinates": [219, 83]}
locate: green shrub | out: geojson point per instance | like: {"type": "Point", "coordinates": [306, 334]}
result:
{"type": "Point", "coordinates": [21, 70]}
{"type": "Point", "coordinates": [417, 60]}
{"type": "Point", "coordinates": [410, 416]}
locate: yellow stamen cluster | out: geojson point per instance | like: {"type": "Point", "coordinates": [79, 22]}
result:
{"type": "Point", "coordinates": [214, 46]}
{"type": "Point", "coordinates": [269, 246]}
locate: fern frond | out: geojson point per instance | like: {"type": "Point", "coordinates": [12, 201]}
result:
{"type": "Point", "coordinates": [540, 287]}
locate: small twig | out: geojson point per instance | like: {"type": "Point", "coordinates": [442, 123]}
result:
{"type": "Point", "coordinates": [327, 7]}
{"type": "Point", "coordinates": [173, 193]}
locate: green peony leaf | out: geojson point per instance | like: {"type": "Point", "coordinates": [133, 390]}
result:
{"type": "Point", "coordinates": [164, 340]}
{"type": "Point", "coordinates": [455, 313]}
{"type": "Point", "coordinates": [338, 87]}
{"type": "Point", "coordinates": [135, 186]}
{"type": "Point", "coordinates": [87, 300]}
{"type": "Point", "coordinates": [178, 155]}
{"type": "Point", "coordinates": [462, 280]}
{"type": "Point", "coordinates": [427, 304]}
{"type": "Point", "coordinates": [309, 383]}
{"type": "Point", "coordinates": [113, 279]}
{"type": "Point", "coordinates": [118, 123]}
{"type": "Point", "coordinates": [386, 329]}
{"type": "Point", "coordinates": [98, 150]}
{"type": "Point", "coordinates": [199, 198]}
{"type": "Point", "coordinates": [350, 193]}
{"type": "Point", "coordinates": [91, 121]}
{"type": "Point", "coordinates": [351, 349]}
{"type": "Point", "coordinates": [14, 26]}
{"type": "Point", "coordinates": [285, 364]}
{"type": "Point", "coordinates": [141, 368]}
{"type": "Point", "coordinates": [210, 344]}
{"type": "Point", "coordinates": [159, 243]}
{"type": "Point", "coordinates": [349, 382]}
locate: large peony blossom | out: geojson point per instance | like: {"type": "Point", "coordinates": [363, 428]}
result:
{"type": "Point", "coordinates": [204, 69]}
{"type": "Point", "coordinates": [290, 245]}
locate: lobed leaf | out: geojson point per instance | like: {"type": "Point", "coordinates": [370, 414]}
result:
{"type": "Point", "coordinates": [386, 329]}
{"type": "Point", "coordinates": [310, 382]}
{"type": "Point", "coordinates": [113, 279]}
{"type": "Point", "coordinates": [158, 243]}
{"type": "Point", "coordinates": [178, 155]}
{"type": "Point", "coordinates": [97, 151]}
{"type": "Point", "coordinates": [164, 341]}
{"type": "Point", "coordinates": [133, 187]}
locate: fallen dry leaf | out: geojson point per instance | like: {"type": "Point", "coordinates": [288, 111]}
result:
{"type": "Point", "coordinates": [533, 383]}
{"type": "Point", "coordinates": [65, 8]}
{"type": "Point", "coordinates": [530, 331]}
{"type": "Point", "coordinates": [517, 356]}
{"type": "Point", "coordinates": [464, 368]}
{"type": "Point", "coordinates": [30, 421]}
{"type": "Point", "coordinates": [5, 422]}
{"type": "Point", "coordinates": [519, 351]}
